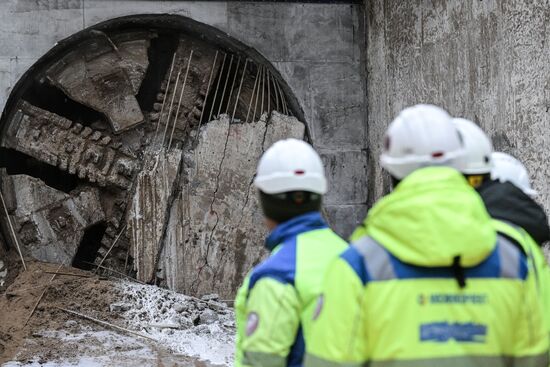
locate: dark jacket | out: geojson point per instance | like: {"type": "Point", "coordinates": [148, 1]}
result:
{"type": "Point", "coordinates": [507, 202]}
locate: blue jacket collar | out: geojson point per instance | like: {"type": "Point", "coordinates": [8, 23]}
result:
{"type": "Point", "coordinates": [293, 227]}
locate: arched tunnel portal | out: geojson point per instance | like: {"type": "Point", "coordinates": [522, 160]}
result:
{"type": "Point", "coordinates": [131, 147]}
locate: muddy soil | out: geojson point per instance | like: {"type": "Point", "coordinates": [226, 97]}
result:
{"type": "Point", "coordinates": [50, 336]}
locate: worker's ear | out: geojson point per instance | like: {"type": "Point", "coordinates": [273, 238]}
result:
{"type": "Point", "coordinates": [270, 223]}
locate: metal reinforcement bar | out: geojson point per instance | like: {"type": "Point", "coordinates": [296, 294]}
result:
{"type": "Point", "coordinates": [180, 99]}
{"type": "Point", "coordinates": [165, 93]}
{"type": "Point", "coordinates": [217, 88]}
{"type": "Point", "coordinates": [206, 96]}
{"type": "Point", "coordinates": [12, 231]}
{"type": "Point", "coordinates": [110, 248]}
{"type": "Point", "coordinates": [105, 323]}
{"type": "Point", "coordinates": [239, 91]}
{"type": "Point", "coordinates": [252, 95]}
{"type": "Point", "coordinates": [42, 295]}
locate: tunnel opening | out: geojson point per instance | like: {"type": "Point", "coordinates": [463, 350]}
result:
{"type": "Point", "coordinates": [89, 246]}
{"type": "Point", "coordinates": [50, 98]}
{"type": "Point", "coordinates": [160, 54]}
{"type": "Point", "coordinates": [102, 112]}
{"type": "Point", "coordinates": [17, 163]}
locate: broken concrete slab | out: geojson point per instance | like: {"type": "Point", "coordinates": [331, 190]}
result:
{"type": "Point", "coordinates": [146, 222]}
{"type": "Point", "coordinates": [208, 316]}
{"type": "Point", "coordinates": [216, 230]}
{"type": "Point", "coordinates": [49, 223]}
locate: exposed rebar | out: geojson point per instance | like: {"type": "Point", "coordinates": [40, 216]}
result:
{"type": "Point", "coordinates": [283, 100]}
{"type": "Point", "coordinates": [12, 231]}
{"type": "Point", "coordinates": [239, 91]}
{"type": "Point", "coordinates": [217, 87]}
{"type": "Point", "coordinates": [70, 274]}
{"type": "Point", "coordinates": [165, 93]}
{"type": "Point", "coordinates": [225, 85]}
{"type": "Point", "coordinates": [105, 323]}
{"type": "Point", "coordinates": [268, 91]}
{"type": "Point", "coordinates": [257, 92]}
{"type": "Point", "coordinates": [275, 91]}
{"type": "Point", "coordinates": [179, 102]}
{"type": "Point", "coordinates": [117, 272]}
{"type": "Point", "coordinates": [206, 96]}
{"type": "Point", "coordinates": [232, 85]}
{"type": "Point", "coordinates": [263, 91]}
{"type": "Point", "coordinates": [110, 248]}
{"type": "Point", "coordinates": [252, 96]}
{"type": "Point", "coordinates": [208, 87]}
{"type": "Point", "coordinates": [170, 108]}
{"type": "Point", "coordinates": [285, 104]}
{"type": "Point", "coordinates": [42, 295]}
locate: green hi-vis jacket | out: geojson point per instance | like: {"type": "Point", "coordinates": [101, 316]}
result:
{"type": "Point", "coordinates": [274, 307]}
{"type": "Point", "coordinates": [427, 283]}
{"type": "Point", "coordinates": [538, 265]}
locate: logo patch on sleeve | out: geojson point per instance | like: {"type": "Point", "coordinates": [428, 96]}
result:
{"type": "Point", "coordinates": [319, 307]}
{"type": "Point", "coordinates": [252, 322]}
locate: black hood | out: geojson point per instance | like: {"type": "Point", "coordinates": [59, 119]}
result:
{"type": "Point", "coordinates": [507, 202]}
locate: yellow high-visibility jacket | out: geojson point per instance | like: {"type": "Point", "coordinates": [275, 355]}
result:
{"type": "Point", "coordinates": [427, 282]}
{"type": "Point", "coordinates": [537, 262]}
{"type": "Point", "coordinates": [518, 217]}
{"type": "Point", "coordinates": [274, 307]}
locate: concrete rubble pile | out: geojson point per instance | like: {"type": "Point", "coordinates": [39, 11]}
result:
{"type": "Point", "coordinates": [203, 328]}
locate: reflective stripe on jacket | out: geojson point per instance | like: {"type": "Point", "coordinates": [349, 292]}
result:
{"type": "Point", "coordinates": [427, 282]}
{"type": "Point", "coordinates": [275, 305]}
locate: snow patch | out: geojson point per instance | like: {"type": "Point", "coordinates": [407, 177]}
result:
{"type": "Point", "coordinates": [204, 329]}
{"type": "Point", "coordinates": [91, 348]}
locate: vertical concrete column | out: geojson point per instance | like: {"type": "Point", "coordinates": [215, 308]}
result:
{"type": "Point", "coordinates": [483, 60]}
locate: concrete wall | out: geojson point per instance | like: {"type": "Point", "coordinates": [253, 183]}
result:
{"type": "Point", "coordinates": [316, 47]}
{"type": "Point", "coordinates": [484, 60]}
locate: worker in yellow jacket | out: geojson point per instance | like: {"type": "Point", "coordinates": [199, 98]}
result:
{"type": "Point", "coordinates": [503, 184]}
{"type": "Point", "coordinates": [275, 305]}
{"type": "Point", "coordinates": [427, 281]}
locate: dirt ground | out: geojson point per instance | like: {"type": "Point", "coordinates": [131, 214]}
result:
{"type": "Point", "coordinates": [50, 336]}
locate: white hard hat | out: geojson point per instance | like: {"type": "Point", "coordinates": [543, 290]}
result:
{"type": "Point", "coordinates": [508, 169]}
{"type": "Point", "coordinates": [291, 165]}
{"type": "Point", "coordinates": [477, 148]}
{"type": "Point", "coordinates": [420, 136]}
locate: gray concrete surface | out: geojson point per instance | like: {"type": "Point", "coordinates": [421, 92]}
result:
{"type": "Point", "coordinates": [316, 47]}
{"type": "Point", "coordinates": [216, 227]}
{"type": "Point", "coordinates": [483, 60]}
{"type": "Point", "coordinates": [49, 222]}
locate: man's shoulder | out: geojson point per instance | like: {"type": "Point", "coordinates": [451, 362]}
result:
{"type": "Point", "coordinates": [280, 266]}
